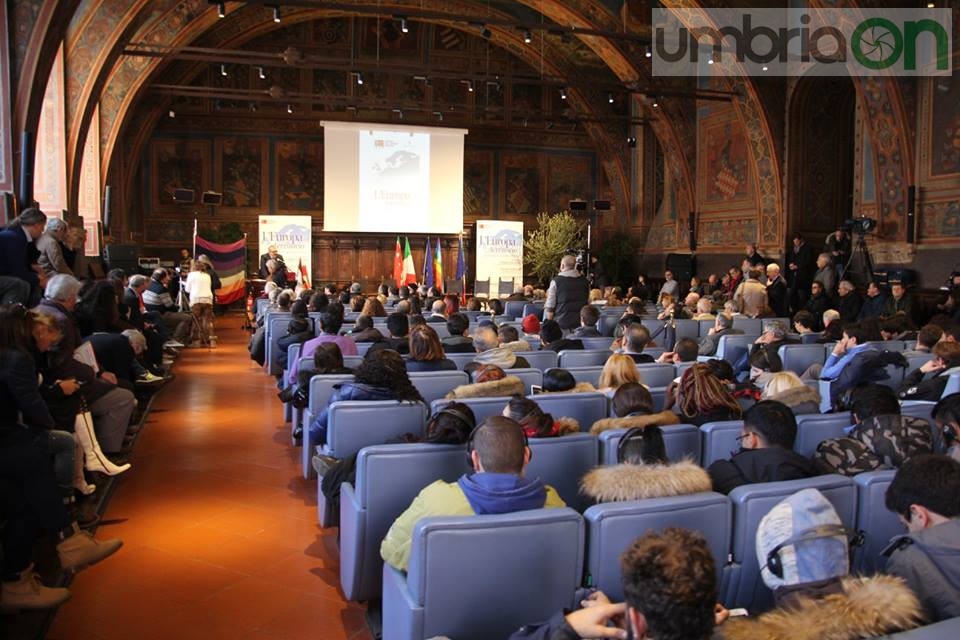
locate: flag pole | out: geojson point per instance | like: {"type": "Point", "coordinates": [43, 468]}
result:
{"type": "Point", "coordinates": [194, 238]}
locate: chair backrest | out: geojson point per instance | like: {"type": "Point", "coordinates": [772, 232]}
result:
{"type": "Point", "coordinates": [953, 385]}
{"type": "Point", "coordinates": [916, 360]}
{"type": "Point", "coordinates": [656, 374]}
{"type": "Point", "coordinates": [612, 526]}
{"type": "Point", "coordinates": [688, 329]}
{"type": "Point", "coordinates": [745, 587]}
{"type": "Point", "coordinates": [918, 409]}
{"type": "Point", "coordinates": [541, 360]}
{"type": "Point", "coordinates": [452, 285]}
{"type": "Point", "coordinates": [535, 308]}
{"type": "Point", "coordinates": [276, 324]}
{"type": "Point", "coordinates": [810, 338]}
{"type": "Point", "coordinates": [321, 388]}
{"type": "Point", "coordinates": [481, 287]}
{"type": "Point", "coordinates": [461, 359]}
{"type": "Point", "coordinates": [352, 362]}
{"type": "Point", "coordinates": [894, 377]}
{"type": "Point", "coordinates": [505, 551]}
{"type": "Point", "coordinates": [434, 385]}
{"type": "Point", "coordinates": [293, 354]}
{"type": "Point", "coordinates": [583, 358]}
{"type": "Point", "coordinates": [797, 357]}
{"type": "Point", "coordinates": [596, 344]}
{"type": "Point", "coordinates": [731, 347]}
{"type": "Point", "coordinates": [659, 395]}
{"type": "Point", "coordinates": [585, 408]}
{"type": "Point", "coordinates": [514, 308]}
{"type": "Point", "coordinates": [612, 311]}
{"type": "Point", "coordinates": [505, 287]}
{"type": "Point", "coordinates": [388, 478]}
{"type": "Point", "coordinates": [705, 326]}
{"type": "Point", "coordinates": [751, 326]}
{"type": "Point", "coordinates": [681, 440]}
{"type": "Point", "coordinates": [681, 367]}
{"type": "Point", "coordinates": [606, 324]}
{"type": "Point", "coordinates": [363, 347]}
{"type": "Point", "coordinates": [877, 524]}
{"type": "Point", "coordinates": [717, 440]}
{"type": "Point", "coordinates": [561, 462]}
{"type": "Point", "coordinates": [530, 377]}
{"type": "Point", "coordinates": [482, 408]}
{"type": "Point", "coordinates": [353, 425]}
{"type": "Point", "coordinates": [944, 630]}
{"type": "Point", "coordinates": [585, 374]}
{"type": "Point", "coordinates": [814, 428]}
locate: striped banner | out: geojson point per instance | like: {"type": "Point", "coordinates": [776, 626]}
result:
{"type": "Point", "coordinates": [229, 260]}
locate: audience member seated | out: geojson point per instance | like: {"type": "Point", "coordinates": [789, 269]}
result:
{"type": "Point", "coordinates": [670, 286]}
{"type": "Point", "coordinates": [874, 304]}
{"type": "Point", "coordinates": [803, 323]}
{"type": "Point", "coordinates": [486, 343]}
{"type": "Point", "coordinates": [499, 453]}
{"type": "Point", "coordinates": [487, 381]}
{"type": "Point", "coordinates": [701, 397]}
{"type": "Point", "coordinates": [773, 337]}
{"type": "Point", "coordinates": [722, 326]}
{"type": "Point", "coordinates": [925, 494]}
{"type": "Point", "coordinates": [899, 301]}
{"type": "Point", "coordinates": [946, 416]}
{"type": "Point", "coordinates": [635, 339]}
{"type": "Point", "coordinates": [855, 359]}
{"type": "Point", "coordinates": [551, 338]}
{"type": "Point", "coordinates": [557, 380]}
{"type": "Point", "coordinates": [356, 304]}
{"type": "Point", "coordinates": [534, 422]}
{"type": "Point", "coordinates": [690, 304]}
{"type": "Point", "coordinates": [18, 256]}
{"type": "Point", "coordinates": [928, 381]}
{"type": "Point", "coordinates": [437, 312]}
{"type": "Point", "coordinates": [633, 406]}
{"type": "Point", "coordinates": [685, 350]}
{"type": "Point", "coordinates": [704, 309]}
{"type": "Point", "coordinates": [898, 327]}
{"type": "Point", "coordinates": [618, 370]}
{"type": "Point", "coordinates": [589, 316]}
{"type": "Point", "coordinates": [331, 319]}
{"type": "Point", "coordinates": [696, 286]}
{"type": "Point", "coordinates": [850, 302]}
{"type": "Point", "coordinates": [764, 364]}
{"type": "Point", "coordinates": [510, 338]}
{"type": "Point", "coordinates": [374, 308]}
{"type": "Point", "coordinates": [951, 332]}
{"type": "Point", "coordinates": [363, 330]}
{"type": "Point", "coordinates": [787, 387]}
{"type": "Point", "coordinates": [398, 330]}
{"type": "Point", "coordinates": [766, 450]}
{"type": "Point", "coordinates": [299, 330]}
{"type": "Point", "coordinates": [751, 295]}
{"type": "Point", "coordinates": [327, 360]}
{"type": "Point", "coordinates": [803, 550]}
{"type": "Point", "coordinates": [157, 299]}
{"type": "Point", "coordinates": [880, 437]}
{"type": "Point", "coordinates": [817, 303]}
{"type": "Point", "coordinates": [670, 587]}
{"type": "Point", "coordinates": [458, 342]}
{"type": "Point", "coordinates": [381, 376]}
{"type": "Point", "coordinates": [927, 337]}
{"type": "Point", "coordinates": [832, 327]}
{"type": "Point", "coordinates": [426, 354]}
{"type": "Point", "coordinates": [530, 326]}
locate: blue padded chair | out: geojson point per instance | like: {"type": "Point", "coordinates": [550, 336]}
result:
{"type": "Point", "coordinates": [895, 376]}
{"type": "Point", "coordinates": [514, 308]}
{"type": "Point", "coordinates": [613, 311]}
{"type": "Point", "coordinates": [293, 354]}
{"type": "Point", "coordinates": [688, 329]}
{"type": "Point", "coordinates": [533, 341]}
{"type": "Point", "coordinates": [814, 428]}
{"type": "Point", "coordinates": [890, 345]}
{"type": "Point", "coordinates": [586, 374]}
{"type": "Point", "coordinates": [705, 326]}
{"type": "Point", "coordinates": [655, 327]}
{"type": "Point", "coordinates": [482, 408]}
{"type": "Point", "coordinates": [441, 329]}
{"type": "Point", "coordinates": [596, 344]}
{"type": "Point", "coordinates": [520, 567]}
{"type": "Point", "coordinates": [363, 347]}
{"type": "Point", "coordinates": [717, 440]}
{"type": "Point", "coordinates": [462, 359]}
{"type": "Point", "coordinates": [654, 352]}
{"type": "Point", "coordinates": [541, 360]}
{"type": "Point", "coordinates": [561, 462]}
{"type": "Point", "coordinates": [681, 440]}
{"type": "Point", "coordinates": [657, 374]}
{"type": "Point", "coordinates": [321, 388]}
{"type": "Point", "coordinates": [953, 385]}
{"type": "Point", "coordinates": [585, 408]}
{"type": "Point", "coordinates": [918, 409]}
{"type": "Point", "coordinates": [659, 395]}
{"type": "Point", "coordinates": [742, 585]}
{"type": "Point", "coordinates": [607, 324]}
{"type": "Point", "coordinates": [530, 377]}
{"type": "Point", "coordinates": [435, 385]}
{"type": "Point", "coordinates": [916, 360]}
{"type": "Point", "coordinates": [612, 526]}
{"type": "Point", "coordinates": [877, 524]}
{"type": "Point", "coordinates": [276, 324]}
{"type": "Point", "coordinates": [536, 308]}
{"type": "Point", "coordinates": [471, 315]}
{"type": "Point", "coordinates": [797, 357]}
{"type": "Point", "coordinates": [810, 338]}
{"type": "Point", "coordinates": [584, 358]}
{"type": "Point", "coordinates": [944, 630]}
{"type": "Point", "coordinates": [751, 326]}
{"type": "Point", "coordinates": [681, 367]}
{"type": "Point", "coordinates": [731, 347]}
{"type": "Point", "coordinates": [352, 362]}
{"type": "Point", "coordinates": [388, 478]}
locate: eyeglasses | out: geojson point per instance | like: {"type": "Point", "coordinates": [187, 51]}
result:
{"type": "Point", "coordinates": [744, 435]}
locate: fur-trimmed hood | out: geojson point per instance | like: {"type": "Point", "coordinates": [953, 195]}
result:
{"type": "Point", "coordinates": [616, 483]}
{"type": "Point", "coordinates": [797, 396]}
{"type": "Point", "coordinates": [518, 345]}
{"type": "Point", "coordinates": [566, 426]}
{"type": "Point", "coordinates": [629, 422]}
{"type": "Point", "coordinates": [867, 607]}
{"type": "Point", "coordinates": [580, 387]}
{"type": "Point", "coordinates": [509, 386]}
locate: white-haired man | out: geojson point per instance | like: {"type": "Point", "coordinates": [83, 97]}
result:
{"type": "Point", "coordinates": [50, 246]}
{"type": "Point", "coordinates": [568, 293]}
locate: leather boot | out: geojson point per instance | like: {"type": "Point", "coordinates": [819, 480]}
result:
{"type": "Point", "coordinates": [81, 549]}
{"type": "Point", "coordinates": [94, 460]}
{"type": "Point", "coordinates": [29, 593]}
{"type": "Point", "coordinates": [79, 481]}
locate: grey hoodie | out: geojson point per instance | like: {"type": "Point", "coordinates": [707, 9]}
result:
{"type": "Point", "coordinates": [929, 562]}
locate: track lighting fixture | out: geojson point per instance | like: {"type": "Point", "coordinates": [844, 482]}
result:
{"type": "Point", "coordinates": [358, 75]}
{"type": "Point", "coordinates": [527, 37]}
{"type": "Point", "coordinates": [172, 113]}
{"type": "Point", "coordinates": [438, 115]}
{"type": "Point", "coordinates": [399, 113]}
{"type": "Point", "coordinates": [404, 27]}
{"type": "Point", "coordinates": [469, 84]}
{"type": "Point", "coordinates": [610, 98]}
{"type": "Point", "coordinates": [223, 70]}
{"type": "Point", "coordinates": [563, 93]}
{"type": "Point", "coordinates": [222, 9]}
{"type": "Point", "coordinates": [276, 14]}
{"type": "Point", "coordinates": [648, 53]}
{"type": "Point", "coordinates": [289, 108]}
{"type": "Point", "coordinates": [261, 73]}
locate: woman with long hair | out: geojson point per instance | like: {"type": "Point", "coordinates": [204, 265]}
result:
{"type": "Point", "coordinates": [702, 397]}
{"type": "Point", "coordinates": [788, 388]}
{"type": "Point", "coordinates": [534, 422]}
{"type": "Point", "coordinates": [617, 371]}
{"type": "Point", "coordinates": [426, 352]}
{"type": "Point", "coordinates": [200, 289]}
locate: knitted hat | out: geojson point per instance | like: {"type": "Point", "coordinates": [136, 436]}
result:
{"type": "Point", "coordinates": [530, 324]}
{"type": "Point", "coordinates": [807, 561]}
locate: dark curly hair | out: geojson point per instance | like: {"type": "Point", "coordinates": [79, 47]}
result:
{"type": "Point", "coordinates": [535, 423]}
{"type": "Point", "coordinates": [670, 577]}
{"type": "Point", "coordinates": [385, 368]}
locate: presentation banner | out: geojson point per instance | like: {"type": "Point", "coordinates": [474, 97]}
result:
{"type": "Point", "coordinates": [500, 252]}
{"type": "Point", "coordinates": [292, 237]}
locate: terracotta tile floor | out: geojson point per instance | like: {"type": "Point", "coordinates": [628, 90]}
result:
{"type": "Point", "coordinates": [219, 530]}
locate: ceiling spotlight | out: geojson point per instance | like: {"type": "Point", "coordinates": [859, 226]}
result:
{"type": "Point", "coordinates": [172, 113]}
{"type": "Point", "coordinates": [656, 102]}
{"type": "Point", "coordinates": [438, 115]}
{"type": "Point", "coordinates": [289, 108]}
{"type": "Point", "coordinates": [404, 27]}
{"type": "Point", "coordinates": [610, 98]}
{"type": "Point", "coordinates": [563, 93]}
{"type": "Point", "coordinates": [709, 60]}
{"type": "Point", "coordinates": [276, 14]}
{"type": "Point", "coordinates": [399, 113]}
{"type": "Point", "coordinates": [222, 9]}
{"type": "Point", "coordinates": [223, 69]}
{"type": "Point", "coordinates": [765, 67]}
{"type": "Point", "coordinates": [931, 5]}
{"type": "Point", "coordinates": [527, 37]}
{"type": "Point", "coordinates": [631, 142]}
{"type": "Point", "coordinates": [493, 83]}
{"type": "Point", "coordinates": [648, 53]}
{"type": "Point", "coordinates": [261, 73]}
{"type": "Point", "coordinates": [469, 84]}
{"type": "Point", "coordinates": [358, 75]}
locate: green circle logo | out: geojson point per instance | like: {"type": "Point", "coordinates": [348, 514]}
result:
{"type": "Point", "coordinates": [876, 43]}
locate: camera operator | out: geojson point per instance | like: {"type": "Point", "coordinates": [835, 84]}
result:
{"type": "Point", "coordinates": [568, 293]}
{"type": "Point", "coordinates": [271, 254]}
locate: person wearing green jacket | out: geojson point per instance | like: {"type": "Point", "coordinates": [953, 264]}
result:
{"type": "Point", "coordinates": [499, 453]}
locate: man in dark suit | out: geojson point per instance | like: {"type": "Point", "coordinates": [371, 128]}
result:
{"type": "Point", "coordinates": [18, 251]}
{"type": "Point", "coordinates": [753, 257]}
{"type": "Point", "coordinates": [778, 297]}
{"type": "Point", "coordinates": [458, 342]}
{"type": "Point", "coordinates": [271, 254]}
{"type": "Point", "coordinates": [800, 269]}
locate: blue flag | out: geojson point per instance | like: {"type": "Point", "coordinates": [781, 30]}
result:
{"type": "Point", "coordinates": [461, 262]}
{"type": "Point", "coordinates": [427, 266]}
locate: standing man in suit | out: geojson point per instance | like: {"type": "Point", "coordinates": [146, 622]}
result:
{"type": "Point", "coordinates": [800, 268]}
{"type": "Point", "coordinates": [778, 297]}
{"type": "Point", "coordinates": [271, 254]}
{"type": "Point", "coordinates": [18, 251]}
{"type": "Point", "coordinates": [568, 293]}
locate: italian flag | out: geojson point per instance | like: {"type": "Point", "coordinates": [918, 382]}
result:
{"type": "Point", "coordinates": [409, 271]}
{"type": "Point", "coordinates": [398, 263]}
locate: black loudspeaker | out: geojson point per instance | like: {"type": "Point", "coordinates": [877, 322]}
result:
{"type": "Point", "coordinates": [107, 209]}
{"type": "Point", "coordinates": [121, 256]}
{"type": "Point", "coordinates": [692, 230]}
{"type": "Point", "coordinates": [184, 196]}
{"type": "Point", "coordinates": [25, 194]}
{"type": "Point", "coordinates": [682, 266]}
{"type": "Point", "coordinates": [601, 205]}
{"type": "Point", "coordinates": [911, 213]}
{"type": "Point", "coordinates": [888, 276]}
{"type": "Point", "coordinates": [577, 205]}
{"type": "Point", "coordinates": [9, 203]}
{"type": "Point", "coordinates": [211, 198]}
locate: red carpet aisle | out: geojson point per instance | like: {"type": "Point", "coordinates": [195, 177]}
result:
{"type": "Point", "coordinates": [220, 534]}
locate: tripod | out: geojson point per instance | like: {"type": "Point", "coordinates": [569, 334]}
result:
{"type": "Point", "coordinates": [864, 263]}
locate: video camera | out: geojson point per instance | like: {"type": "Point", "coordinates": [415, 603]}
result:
{"type": "Point", "coordinates": [861, 225]}
{"type": "Point", "coordinates": [581, 255]}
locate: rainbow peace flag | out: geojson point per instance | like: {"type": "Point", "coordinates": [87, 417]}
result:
{"type": "Point", "coordinates": [229, 261]}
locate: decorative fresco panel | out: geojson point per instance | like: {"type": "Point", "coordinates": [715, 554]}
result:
{"type": "Point", "coordinates": [726, 233]}
{"type": "Point", "coordinates": [299, 176]}
{"type": "Point", "coordinates": [521, 190]}
{"type": "Point", "coordinates": [945, 127]}
{"type": "Point", "coordinates": [88, 202]}
{"type": "Point", "coordinates": [6, 136]}
{"type": "Point", "coordinates": [384, 38]}
{"type": "Point", "coordinates": [168, 231]}
{"type": "Point", "coordinates": [477, 182]}
{"type": "Point", "coordinates": [241, 172]}
{"type": "Point", "coordinates": [178, 164]}
{"type": "Point", "coordinates": [50, 162]}
{"type": "Point", "coordinates": [724, 175]}
{"type": "Point", "coordinates": [331, 33]}
{"type": "Point", "coordinates": [940, 220]}
{"type": "Point", "coordinates": [568, 178]}
{"type": "Point", "coordinates": [526, 97]}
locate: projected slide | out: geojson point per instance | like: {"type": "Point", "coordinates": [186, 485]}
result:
{"type": "Point", "coordinates": [394, 178]}
{"type": "Point", "coordinates": [381, 178]}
